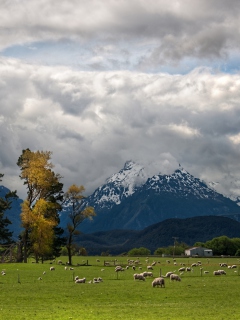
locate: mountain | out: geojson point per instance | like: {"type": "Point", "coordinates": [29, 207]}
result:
{"type": "Point", "coordinates": [131, 200]}
{"type": "Point", "coordinates": [189, 231]}
{"type": "Point", "coordinates": [13, 214]}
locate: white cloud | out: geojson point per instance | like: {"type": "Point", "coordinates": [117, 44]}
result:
{"type": "Point", "coordinates": [94, 122]}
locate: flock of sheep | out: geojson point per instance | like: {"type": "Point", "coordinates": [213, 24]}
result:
{"type": "Point", "coordinates": [156, 282]}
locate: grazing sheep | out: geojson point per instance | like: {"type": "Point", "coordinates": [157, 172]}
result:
{"type": "Point", "coordinates": [149, 267]}
{"type": "Point", "coordinates": [194, 265]}
{"type": "Point", "coordinates": [44, 272]}
{"type": "Point", "coordinates": [234, 266]}
{"type": "Point", "coordinates": [133, 267]}
{"type": "Point", "coordinates": [119, 268]}
{"type": "Point", "coordinates": [216, 273]}
{"type": "Point", "coordinates": [39, 278]}
{"type": "Point", "coordinates": [71, 268]}
{"type": "Point", "coordinates": [149, 274]}
{"type": "Point", "coordinates": [168, 261]}
{"type": "Point", "coordinates": [83, 280]}
{"type": "Point", "coordinates": [222, 271]}
{"type": "Point", "coordinates": [181, 269]}
{"type": "Point", "coordinates": [59, 262]}
{"type": "Point", "coordinates": [76, 278]}
{"type": "Point", "coordinates": [52, 268]}
{"type": "Point", "coordinates": [158, 282]}
{"type": "Point", "coordinates": [138, 276]}
{"type": "Point", "coordinates": [175, 277]}
{"type": "Point", "coordinates": [188, 269]}
{"type": "Point", "coordinates": [3, 273]}
{"type": "Point", "coordinates": [65, 268]}
{"type": "Point", "coordinates": [223, 264]}
{"type": "Point", "coordinates": [168, 274]}
{"type": "Point", "coordinates": [97, 260]}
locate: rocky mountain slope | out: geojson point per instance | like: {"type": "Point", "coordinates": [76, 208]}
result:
{"type": "Point", "coordinates": [131, 200]}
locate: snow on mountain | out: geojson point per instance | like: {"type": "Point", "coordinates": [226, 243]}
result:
{"type": "Point", "coordinates": [180, 182]}
{"type": "Point", "coordinates": [120, 185]}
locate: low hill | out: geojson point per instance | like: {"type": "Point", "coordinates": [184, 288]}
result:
{"type": "Point", "coordinates": [161, 234]}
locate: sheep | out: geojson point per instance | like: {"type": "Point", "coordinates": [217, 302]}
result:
{"type": "Point", "coordinates": [158, 282]}
{"type": "Point", "coordinates": [194, 265]}
{"type": "Point", "coordinates": [3, 273]}
{"type": "Point", "coordinates": [97, 260]}
{"type": "Point", "coordinates": [149, 267]}
{"type": "Point", "coordinates": [222, 271]}
{"type": "Point", "coordinates": [52, 268]}
{"type": "Point", "coordinates": [71, 268]}
{"type": "Point", "coordinates": [65, 268]}
{"type": "Point", "coordinates": [233, 266]}
{"type": "Point", "coordinates": [83, 280]}
{"type": "Point", "coordinates": [216, 273]}
{"type": "Point", "coordinates": [181, 269]}
{"type": "Point", "coordinates": [39, 278]}
{"type": "Point", "coordinates": [76, 278]}
{"type": "Point", "coordinates": [175, 277]}
{"type": "Point", "coordinates": [168, 274]}
{"type": "Point", "coordinates": [205, 271]}
{"type": "Point", "coordinates": [223, 264]}
{"type": "Point", "coordinates": [188, 269]}
{"type": "Point", "coordinates": [44, 272]}
{"type": "Point", "coordinates": [149, 274]}
{"type": "Point", "coordinates": [138, 276]}
{"type": "Point", "coordinates": [59, 262]}
{"type": "Point", "coordinates": [119, 268]}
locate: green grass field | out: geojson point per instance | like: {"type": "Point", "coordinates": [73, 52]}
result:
{"type": "Point", "coordinates": [57, 296]}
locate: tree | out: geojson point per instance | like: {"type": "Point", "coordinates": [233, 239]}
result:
{"type": "Point", "coordinates": [139, 252]}
{"type": "Point", "coordinates": [222, 246]}
{"type": "Point", "coordinates": [5, 204]}
{"type": "Point", "coordinates": [44, 195]}
{"type": "Point", "coordinates": [74, 198]}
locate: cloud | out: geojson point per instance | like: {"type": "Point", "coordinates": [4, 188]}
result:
{"type": "Point", "coordinates": [93, 122]}
{"type": "Point", "coordinates": [142, 35]}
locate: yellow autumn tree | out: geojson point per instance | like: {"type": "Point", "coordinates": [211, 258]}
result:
{"type": "Point", "coordinates": [73, 197]}
{"type": "Point", "coordinates": [44, 195]}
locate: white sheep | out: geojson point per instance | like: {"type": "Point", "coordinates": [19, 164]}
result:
{"type": "Point", "coordinates": [175, 277]}
{"type": "Point", "coordinates": [119, 268]}
{"type": "Point", "coordinates": [138, 276]}
{"type": "Point", "coordinates": [222, 271]}
{"type": "Point", "coordinates": [149, 267]}
{"type": "Point", "coordinates": [158, 282]}
{"type": "Point", "coordinates": [168, 274]}
{"type": "Point", "coordinates": [83, 280]}
{"type": "Point", "coordinates": [52, 268]}
{"type": "Point", "coordinates": [181, 269]}
{"type": "Point", "coordinates": [149, 274]}
{"type": "Point", "coordinates": [65, 268]}
{"type": "Point", "coordinates": [216, 273]}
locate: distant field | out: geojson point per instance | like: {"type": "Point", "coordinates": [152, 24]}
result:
{"type": "Point", "coordinates": [56, 296]}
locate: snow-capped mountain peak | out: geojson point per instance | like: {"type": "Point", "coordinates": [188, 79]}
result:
{"type": "Point", "coordinates": [120, 185]}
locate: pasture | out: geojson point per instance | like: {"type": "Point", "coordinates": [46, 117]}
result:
{"type": "Point", "coordinates": [57, 296]}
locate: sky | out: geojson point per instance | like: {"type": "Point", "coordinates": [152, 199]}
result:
{"type": "Point", "coordinates": [99, 83]}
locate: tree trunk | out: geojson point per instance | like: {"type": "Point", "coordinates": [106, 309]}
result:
{"type": "Point", "coordinates": [25, 241]}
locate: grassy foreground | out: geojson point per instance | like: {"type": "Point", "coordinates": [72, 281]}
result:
{"type": "Point", "coordinates": [56, 296]}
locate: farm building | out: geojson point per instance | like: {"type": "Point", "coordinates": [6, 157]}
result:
{"type": "Point", "coordinates": [199, 251]}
